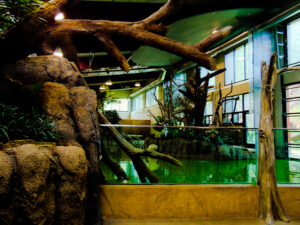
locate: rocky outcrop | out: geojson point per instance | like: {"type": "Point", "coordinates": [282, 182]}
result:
{"type": "Point", "coordinates": [84, 105]}
{"type": "Point", "coordinates": [72, 176]}
{"type": "Point", "coordinates": [56, 102]}
{"type": "Point", "coordinates": [199, 149]}
{"type": "Point", "coordinates": [229, 152]}
{"type": "Point", "coordinates": [6, 170]}
{"type": "Point", "coordinates": [42, 184]}
{"type": "Point", "coordinates": [32, 70]}
{"type": "Point", "coordinates": [183, 147]}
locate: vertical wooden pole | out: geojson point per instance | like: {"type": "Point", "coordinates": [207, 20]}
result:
{"type": "Point", "coordinates": [270, 207]}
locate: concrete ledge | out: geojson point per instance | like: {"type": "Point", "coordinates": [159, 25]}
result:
{"type": "Point", "coordinates": [290, 197]}
{"type": "Point", "coordinates": [189, 201]}
{"type": "Point", "coordinates": [195, 222]}
{"type": "Point", "coordinates": [178, 201]}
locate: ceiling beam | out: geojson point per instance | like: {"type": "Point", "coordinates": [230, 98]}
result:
{"type": "Point", "coordinates": [91, 54]}
{"type": "Point", "coordinates": [108, 73]}
{"type": "Point", "coordinates": [120, 82]}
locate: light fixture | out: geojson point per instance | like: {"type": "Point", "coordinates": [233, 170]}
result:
{"type": "Point", "coordinates": [59, 16]}
{"type": "Point", "coordinates": [58, 52]}
{"type": "Point", "coordinates": [108, 82]}
{"type": "Point", "coordinates": [137, 84]}
{"type": "Point", "coordinates": [102, 87]}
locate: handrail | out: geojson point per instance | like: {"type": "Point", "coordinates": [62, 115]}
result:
{"type": "Point", "coordinates": [192, 127]}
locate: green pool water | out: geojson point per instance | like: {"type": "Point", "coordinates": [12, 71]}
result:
{"type": "Point", "coordinates": [206, 172]}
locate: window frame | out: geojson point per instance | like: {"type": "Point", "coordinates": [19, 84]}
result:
{"type": "Point", "coordinates": [285, 115]}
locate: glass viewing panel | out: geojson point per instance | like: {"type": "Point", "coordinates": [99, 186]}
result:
{"type": "Point", "coordinates": [208, 156]}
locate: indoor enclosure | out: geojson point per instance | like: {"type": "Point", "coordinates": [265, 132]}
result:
{"type": "Point", "coordinates": [149, 109]}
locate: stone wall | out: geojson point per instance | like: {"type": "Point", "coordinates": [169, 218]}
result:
{"type": "Point", "coordinates": [42, 184]}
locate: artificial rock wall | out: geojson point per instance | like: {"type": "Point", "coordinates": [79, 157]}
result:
{"type": "Point", "coordinates": [42, 184]}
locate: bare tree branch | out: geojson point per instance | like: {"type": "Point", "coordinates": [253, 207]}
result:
{"type": "Point", "coordinates": [113, 50]}
{"type": "Point", "coordinates": [165, 11]}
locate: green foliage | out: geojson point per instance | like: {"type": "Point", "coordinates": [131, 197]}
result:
{"type": "Point", "coordinates": [112, 116]}
{"type": "Point", "coordinates": [17, 123]}
{"type": "Point", "coordinates": [12, 11]}
{"type": "Point", "coordinates": [213, 136]}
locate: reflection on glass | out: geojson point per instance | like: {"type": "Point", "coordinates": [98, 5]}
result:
{"type": "Point", "coordinates": [207, 172]}
{"type": "Point", "coordinates": [192, 172]}
{"type": "Point", "coordinates": [208, 156]}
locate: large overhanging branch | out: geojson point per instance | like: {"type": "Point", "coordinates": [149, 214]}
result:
{"type": "Point", "coordinates": [213, 38]}
{"type": "Point", "coordinates": [134, 31]}
{"type": "Point", "coordinates": [206, 43]}
{"type": "Point", "coordinates": [41, 34]}
{"type": "Point", "coordinates": [168, 9]}
{"type": "Point", "coordinates": [27, 35]}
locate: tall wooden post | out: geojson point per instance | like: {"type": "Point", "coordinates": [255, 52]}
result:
{"type": "Point", "coordinates": [270, 207]}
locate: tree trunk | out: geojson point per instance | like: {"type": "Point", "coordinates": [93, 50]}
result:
{"type": "Point", "coordinates": [270, 207]}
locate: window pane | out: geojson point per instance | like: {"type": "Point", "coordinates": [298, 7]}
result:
{"type": "Point", "coordinates": [116, 104]}
{"type": "Point", "coordinates": [229, 106]}
{"type": "Point", "coordinates": [293, 106]}
{"type": "Point", "coordinates": [250, 134]}
{"type": "Point", "coordinates": [208, 108]}
{"type": "Point", "coordinates": [239, 104]}
{"type": "Point", "coordinates": [294, 152]}
{"type": "Point", "coordinates": [179, 79]}
{"type": "Point", "coordinates": [178, 84]}
{"type": "Point", "coordinates": [137, 103]}
{"type": "Point", "coordinates": [204, 72]}
{"type": "Point", "coordinates": [236, 118]}
{"type": "Point", "coordinates": [240, 63]}
{"type": "Point", "coordinates": [246, 102]}
{"type": "Point", "coordinates": [151, 96]}
{"type": "Point", "coordinates": [246, 65]}
{"type": "Point", "coordinates": [229, 65]}
{"type": "Point", "coordinates": [294, 137]}
{"type": "Point", "coordinates": [293, 91]}
{"type": "Point", "coordinates": [293, 40]}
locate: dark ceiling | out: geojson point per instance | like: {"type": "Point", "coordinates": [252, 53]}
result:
{"type": "Point", "coordinates": [134, 10]}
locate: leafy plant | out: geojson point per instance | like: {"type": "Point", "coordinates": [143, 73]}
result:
{"type": "Point", "coordinates": [17, 123]}
{"type": "Point", "coordinates": [112, 116]}
{"type": "Point", "coordinates": [12, 11]}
